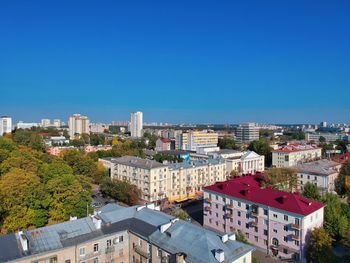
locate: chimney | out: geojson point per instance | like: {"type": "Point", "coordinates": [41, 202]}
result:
{"type": "Point", "coordinates": [97, 222]}
{"type": "Point", "coordinates": [150, 206]}
{"type": "Point", "coordinates": [165, 227]}
{"type": "Point", "coordinates": [220, 255]}
{"type": "Point", "coordinates": [224, 238]}
{"type": "Point", "coordinates": [140, 208]}
{"type": "Point", "coordinates": [24, 241]}
{"type": "Point", "coordinates": [232, 237]}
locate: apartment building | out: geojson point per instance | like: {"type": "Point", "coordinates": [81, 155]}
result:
{"type": "Point", "coordinates": [116, 234]}
{"type": "Point", "coordinates": [248, 162]}
{"type": "Point", "coordinates": [276, 222]}
{"type": "Point", "coordinates": [177, 181]}
{"type": "Point", "coordinates": [247, 132]}
{"type": "Point", "coordinates": [294, 154]}
{"type": "Point", "coordinates": [5, 125]}
{"type": "Point", "coordinates": [136, 124]}
{"type": "Point", "coordinates": [321, 173]}
{"type": "Point", "coordinates": [78, 125]}
{"type": "Point", "coordinates": [187, 179]}
{"type": "Point", "coordinates": [165, 144]}
{"type": "Point", "coordinates": [191, 140]}
{"type": "Point", "coordinates": [329, 137]}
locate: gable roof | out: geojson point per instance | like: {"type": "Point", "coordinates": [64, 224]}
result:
{"type": "Point", "coordinates": [249, 188]}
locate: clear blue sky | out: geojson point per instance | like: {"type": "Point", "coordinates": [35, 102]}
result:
{"type": "Point", "coordinates": [177, 61]}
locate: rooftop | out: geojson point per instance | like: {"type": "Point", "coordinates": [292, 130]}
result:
{"type": "Point", "coordinates": [196, 163]}
{"type": "Point", "coordinates": [193, 241]}
{"type": "Point", "coordinates": [249, 188]}
{"type": "Point", "coordinates": [136, 162]}
{"type": "Point", "coordinates": [296, 148]}
{"type": "Point", "coordinates": [321, 167]}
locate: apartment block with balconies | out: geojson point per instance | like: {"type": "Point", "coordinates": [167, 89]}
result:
{"type": "Point", "coordinates": [274, 221]}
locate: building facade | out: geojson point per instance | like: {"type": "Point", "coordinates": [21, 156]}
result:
{"type": "Point", "coordinates": [177, 181]}
{"type": "Point", "coordinates": [136, 124]}
{"type": "Point", "coordinates": [329, 137]}
{"type": "Point", "coordinates": [137, 234]}
{"type": "Point", "coordinates": [294, 154]}
{"type": "Point", "coordinates": [78, 125]}
{"type": "Point", "coordinates": [191, 140]}
{"type": "Point", "coordinates": [274, 221]}
{"type": "Point", "coordinates": [247, 132]}
{"type": "Point", "coordinates": [321, 173]}
{"type": "Point", "coordinates": [5, 125]}
{"type": "Point", "coordinates": [165, 144]}
{"type": "Point", "coordinates": [248, 162]}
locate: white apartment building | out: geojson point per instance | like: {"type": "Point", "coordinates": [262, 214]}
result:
{"type": "Point", "coordinates": [192, 140]}
{"type": "Point", "coordinates": [45, 123]}
{"type": "Point", "coordinates": [248, 162]}
{"type": "Point", "coordinates": [321, 173]}
{"type": "Point", "coordinates": [78, 125]}
{"type": "Point", "coordinates": [294, 154]}
{"type": "Point", "coordinates": [136, 124]}
{"type": "Point", "coordinates": [98, 127]}
{"type": "Point", "coordinates": [5, 125]}
{"type": "Point", "coordinates": [26, 125]}
{"type": "Point", "coordinates": [57, 123]}
{"type": "Point", "coordinates": [247, 132]}
{"type": "Point", "coordinates": [178, 181]}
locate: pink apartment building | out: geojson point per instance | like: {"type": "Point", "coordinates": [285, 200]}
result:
{"type": "Point", "coordinates": [277, 222]}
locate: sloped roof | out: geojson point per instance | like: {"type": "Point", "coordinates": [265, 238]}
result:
{"type": "Point", "coordinates": [250, 155]}
{"type": "Point", "coordinates": [248, 188]}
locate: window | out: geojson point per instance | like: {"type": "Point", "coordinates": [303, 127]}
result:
{"type": "Point", "coordinates": [67, 261]}
{"type": "Point", "coordinates": [285, 251]}
{"type": "Point", "coordinates": [266, 222]}
{"type": "Point", "coordinates": [247, 207]}
{"type": "Point", "coordinates": [239, 222]}
{"type": "Point", "coordinates": [247, 225]}
{"type": "Point", "coordinates": [216, 206]}
{"type": "Point", "coordinates": [239, 213]}
{"type": "Point", "coordinates": [285, 228]}
{"type": "Point", "coordinates": [140, 242]}
{"type": "Point", "coordinates": [265, 232]}
{"type": "Point", "coordinates": [265, 242]}
{"type": "Point", "coordinates": [247, 235]}
{"type": "Point", "coordinates": [256, 239]}
{"type": "Point", "coordinates": [216, 214]}
{"type": "Point", "coordinates": [285, 239]}
{"type": "Point", "coordinates": [159, 252]}
{"type": "Point", "coordinates": [308, 177]}
{"type": "Point", "coordinates": [95, 260]}
{"type": "Point", "coordinates": [96, 247]}
{"type": "Point", "coordinates": [275, 215]}
{"type": "Point", "coordinates": [301, 176]}
{"type": "Point", "coordinates": [296, 242]}
{"type": "Point", "coordinates": [82, 251]}
{"type": "Point", "coordinates": [275, 230]}
{"type": "Point", "coordinates": [239, 204]}
{"type": "Point", "coordinates": [247, 216]}
{"type": "Point", "coordinates": [285, 218]}
{"type": "Point", "coordinates": [275, 242]}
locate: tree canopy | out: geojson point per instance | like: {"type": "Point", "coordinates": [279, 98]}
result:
{"type": "Point", "coordinates": [311, 191]}
{"type": "Point", "coordinates": [320, 247]}
{"type": "Point", "coordinates": [262, 147]}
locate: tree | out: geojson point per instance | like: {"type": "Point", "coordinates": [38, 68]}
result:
{"type": "Point", "coordinates": [322, 139]}
{"type": "Point", "coordinates": [311, 191]}
{"type": "Point", "coordinates": [282, 178]}
{"type": "Point", "coordinates": [340, 181]}
{"type": "Point", "coordinates": [152, 138]}
{"type": "Point", "coordinates": [320, 247]}
{"type": "Point", "coordinates": [183, 215]}
{"type": "Point", "coordinates": [227, 143]}
{"type": "Point", "coordinates": [335, 222]}
{"type": "Point", "coordinates": [262, 147]}
{"type": "Point", "coordinates": [97, 139]}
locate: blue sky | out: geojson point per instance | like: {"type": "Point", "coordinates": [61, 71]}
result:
{"type": "Point", "coordinates": [177, 61]}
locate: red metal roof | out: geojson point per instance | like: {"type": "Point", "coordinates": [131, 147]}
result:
{"type": "Point", "coordinates": [342, 158]}
{"type": "Point", "coordinates": [248, 188]}
{"type": "Point", "coordinates": [296, 148]}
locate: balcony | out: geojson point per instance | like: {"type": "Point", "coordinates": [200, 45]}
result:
{"type": "Point", "coordinates": [254, 223]}
{"type": "Point", "coordinates": [208, 200]}
{"type": "Point", "coordinates": [295, 237]}
{"type": "Point", "coordinates": [229, 215]}
{"type": "Point", "coordinates": [89, 255]}
{"type": "Point", "coordinates": [229, 206]}
{"type": "Point", "coordinates": [142, 253]}
{"type": "Point", "coordinates": [254, 213]}
{"type": "Point", "coordinates": [109, 250]}
{"type": "Point", "coordinates": [295, 226]}
{"type": "Point", "coordinates": [207, 208]}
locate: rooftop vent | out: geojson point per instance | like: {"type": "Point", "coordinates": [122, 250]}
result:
{"type": "Point", "coordinates": [220, 255]}
{"type": "Point", "coordinates": [224, 238]}
{"type": "Point", "coordinates": [139, 208]}
{"type": "Point", "coordinates": [24, 241]}
{"type": "Point", "coordinates": [232, 237]}
{"type": "Point", "coordinates": [97, 222]}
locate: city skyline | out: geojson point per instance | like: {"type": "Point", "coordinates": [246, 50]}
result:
{"type": "Point", "coordinates": [227, 62]}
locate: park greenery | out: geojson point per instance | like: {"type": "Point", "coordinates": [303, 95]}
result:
{"type": "Point", "coordinates": [227, 142]}
{"type": "Point", "coordinates": [262, 147]}
{"type": "Point", "coordinates": [284, 179]}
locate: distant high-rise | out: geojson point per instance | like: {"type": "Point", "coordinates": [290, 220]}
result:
{"type": "Point", "coordinates": [5, 125]}
{"type": "Point", "coordinates": [323, 124]}
{"type": "Point", "coordinates": [45, 123]}
{"type": "Point", "coordinates": [136, 124]}
{"type": "Point", "coordinates": [57, 123]}
{"type": "Point", "coordinates": [247, 132]}
{"type": "Point", "coordinates": [78, 125]}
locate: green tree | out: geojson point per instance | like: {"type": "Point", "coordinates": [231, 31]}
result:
{"type": "Point", "coordinates": [282, 178]}
{"type": "Point", "coordinates": [262, 147]}
{"type": "Point", "coordinates": [340, 187]}
{"type": "Point", "coordinates": [311, 191]}
{"type": "Point", "coordinates": [320, 247]}
{"type": "Point", "coordinates": [179, 213]}
{"type": "Point", "coordinates": [227, 143]}
{"type": "Point", "coordinates": [335, 222]}
{"type": "Point", "coordinates": [322, 139]}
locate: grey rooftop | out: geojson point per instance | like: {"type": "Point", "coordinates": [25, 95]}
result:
{"type": "Point", "coordinates": [136, 162]}
{"type": "Point", "coordinates": [197, 243]}
{"type": "Point", "coordinates": [320, 167]}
